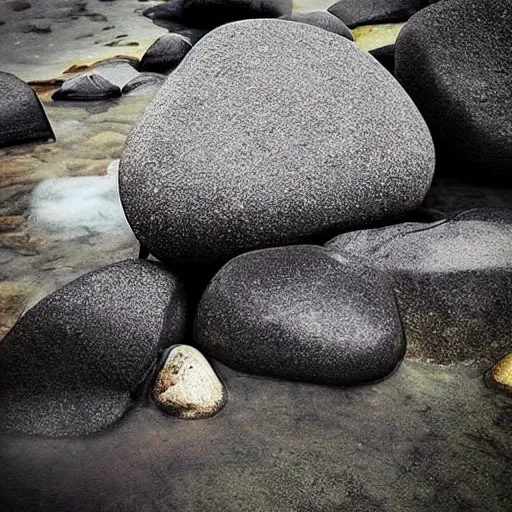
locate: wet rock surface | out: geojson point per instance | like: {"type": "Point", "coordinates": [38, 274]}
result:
{"type": "Point", "coordinates": [243, 171]}
{"type": "Point", "coordinates": [466, 102]}
{"type": "Point", "coordinates": [22, 117]}
{"type": "Point", "coordinates": [187, 386]}
{"type": "Point", "coordinates": [71, 363]}
{"type": "Point", "coordinates": [301, 313]}
{"type": "Point", "coordinates": [452, 278]}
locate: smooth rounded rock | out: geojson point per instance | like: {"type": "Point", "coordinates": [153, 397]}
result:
{"type": "Point", "coordinates": [452, 280]}
{"type": "Point", "coordinates": [370, 12]}
{"type": "Point", "coordinates": [321, 19]}
{"type": "Point", "coordinates": [500, 375]}
{"type": "Point", "coordinates": [455, 61]}
{"type": "Point", "coordinates": [288, 136]}
{"type": "Point", "coordinates": [187, 385]}
{"type": "Point", "coordinates": [72, 362]}
{"type": "Point", "coordinates": [165, 53]}
{"type": "Point", "coordinates": [301, 313]}
{"type": "Point", "coordinates": [22, 117]}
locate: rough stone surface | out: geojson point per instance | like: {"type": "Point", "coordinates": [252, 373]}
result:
{"type": "Point", "coordinates": [301, 313]}
{"type": "Point", "coordinates": [69, 365]}
{"type": "Point", "coordinates": [369, 12]}
{"type": "Point", "coordinates": [455, 61]}
{"type": "Point", "coordinates": [22, 117]}
{"type": "Point", "coordinates": [187, 385]}
{"type": "Point", "coordinates": [321, 19]}
{"type": "Point", "coordinates": [386, 56]}
{"type": "Point", "coordinates": [290, 135]}
{"type": "Point", "coordinates": [452, 279]}
{"type": "Point", "coordinates": [165, 53]}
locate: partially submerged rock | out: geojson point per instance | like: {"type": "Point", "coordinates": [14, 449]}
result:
{"type": "Point", "coordinates": [22, 117]}
{"type": "Point", "coordinates": [452, 280]}
{"type": "Point", "coordinates": [187, 385]}
{"type": "Point", "coordinates": [72, 362]}
{"type": "Point", "coordinates": [289, 136]}
{"type": "Point", "coordinates": [301, 313]}
{"type": "Point", "coordinates": [165, 53]}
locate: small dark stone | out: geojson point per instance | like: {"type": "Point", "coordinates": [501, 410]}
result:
{"type": "Point", "coordinates": [143, 81]}
{"type": "Point", "coordinates": [370, 12]}
{"type": "Point", "coordinates": [71, 363]}
{"type": "Point", "coordinates": [20, 5]}
{"type": "Point", "coordinates": [165, 53]}
{"type": "Point", "coordinates": [322, 19]}
{"type": "Point", "coordinates": [452, 279]}
{"type": "Point", "coordinates": [87, 87]}
{"type": "Point", "coordinates": [22, 117]}
{"type": "Point", "coordinates": [38, 28]}
{"type": "Point", "coordinates": [386, 56]}
{"type": "Point", "coordinates": [301, 313]}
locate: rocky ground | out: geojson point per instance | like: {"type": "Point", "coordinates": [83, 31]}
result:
{"type": "Point", "coordinates": [430, 437]}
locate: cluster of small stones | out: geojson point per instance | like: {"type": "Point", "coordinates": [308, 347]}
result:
{"type": "Point", "coordinates": [279, 142]}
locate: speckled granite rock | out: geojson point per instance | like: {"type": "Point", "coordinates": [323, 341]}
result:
{"type": "Point", "coordinates": [321, 19]}
{"type": "Point", "coordinates": [70, 364]}
{"type": "Point", "coordinates": [165, 53]}
{"type": "Point", "coordinates": [455, 61]}
{"type": "Point", "coordinates": [301, 313]}
{"type": "Point", "coordinates": [289, 135]}
{"type": "Point", "coordinates": [386, 56]}
{"type": "Point", "coordinates": [103, 81]}
{"type": "Point", "coordinates": [370, 12]}
{"type": "Point", "coordinates": [452, 279]}
{"type": "Point", "coordinates": [187, 385]}
{"type": "Point", "coordinates": [22, 117]}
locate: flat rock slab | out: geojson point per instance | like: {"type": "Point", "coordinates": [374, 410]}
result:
{"type": "Point", "coordinates": [289, 135]}
{"type": "Point", "coordinates": [22, 117]}
{"type": "Point", "coordinates": [426, 439]}
{"type": "Point", "coordinates": [71, 363]}
{"type": "Point", "coordinates": [452, 279]}
{"type": "Point", "coordinates": [455, 61]}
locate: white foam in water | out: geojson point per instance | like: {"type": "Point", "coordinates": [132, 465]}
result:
{"type": "Point", "coordinates": [77, 206]}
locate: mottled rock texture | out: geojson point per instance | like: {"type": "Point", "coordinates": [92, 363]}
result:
{"type": "Point", "coordinates": [71, 363]}
{"type": "Point", "coordinates": [455, 60]}
{"type": "Point", "coordinates": [22, 117]}
{"type": "Point", "coordinates": [301, 313]}
{"type": "Point", "coordinates": [321, 19]}
{"type": "Point", "coordinates": [452, 279]}
{"type": "Point", "coordinates": [290, 135]}
{"type": "Point", "coordinates": [187, 386]}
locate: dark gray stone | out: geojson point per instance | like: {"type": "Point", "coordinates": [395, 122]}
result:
{"type": "Point", "coordinates": [321, 19]}
{"type": "Point", "coordinates": [301, 313]}
{"type": "Point", "coordinates": [452, 279]}
{"type": "Point", "coordinates": [290, 135]}
{"type": "Point", "coordinates": [386, 56]}
{"type": "Point", "coordinates": [143, 82]}
{"type": "Point", "coordinates": [106, 80]}
{"type": "Point", "coordinates": [70, 364]}
{"type": "Point", "coordinates": [212, 13]}
{"type": "Point", "coordinates": [22, 117]}
{"type": "Point", "coordinates": [455, 61]}
{"type": "Point", "coordinates": [369, 12]}
{"type": "Point", "coordinates": [165, 53]}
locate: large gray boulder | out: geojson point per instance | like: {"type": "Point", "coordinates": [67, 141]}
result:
{"type": "Point", "coordinates": [455, 61]}
{"type": "Point", "coordinates": [70, 365]}
{"type": "Point", "coordinates": [22, 117]}
{"type": "Point", "coordinates": [301, 313]}
{"type": "Point", "coordinates": [271, 133]}
{"type": "Point", "coordinates": [452, 279]}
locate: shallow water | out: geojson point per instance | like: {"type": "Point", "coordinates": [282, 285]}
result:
{"type": "Point", "coordinates": [428, 438]}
